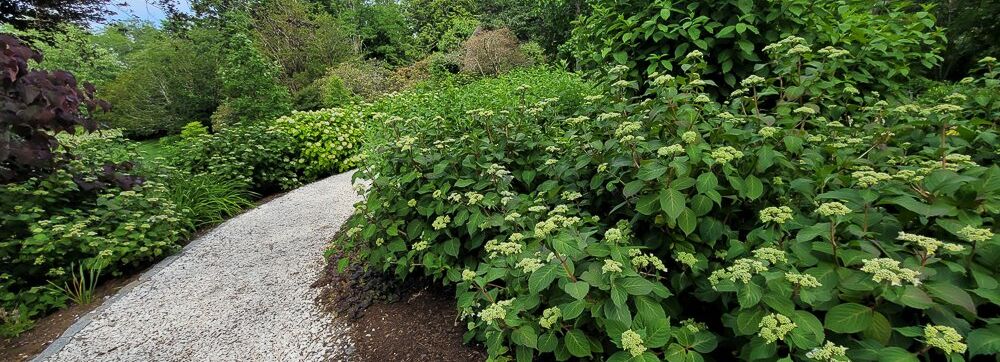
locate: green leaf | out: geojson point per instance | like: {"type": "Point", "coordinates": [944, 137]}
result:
{"type": "Point", "coordinates": [541, 278]}
{"type": "Point", "coordinates": [915, 297]}
{"type": "Point", "coordinates": [648, 204]}
{"type": "Point", "coordinates": [848, 318]}
{"type": "Point", "coordinates": [896, 354]}
{"type": "Point", "coordinates": [749, 295]}
{"type": "Point", "coordinates": [636, 285]}
{"type": "Point", "coordinates": [672, 202]}
{"type": "Point", "coordinates": [880, 330]}
{"type": "Point", "coordinates": [984, 341]}
{"type": "Point", "coordinates": [808, 332]}
{"type": "Point", "coordinates": [753, 188]}
{"type": "Point", "coordinates": [578, 290]}
{"type": "Point", "coordinates": [548, 342]}
{"type": "Point", "coordinates": [706, 182]}
{"type": "Point", "coordinates": [651, 170]}
{"type": "Point", "coordinates": [525, 336]}
{"type": "Point", "coordinates": [687, 221]}
{"type": "Point", "coordinates": [577, 343]}
{"type": "Point", "coordinates": [951, 294]}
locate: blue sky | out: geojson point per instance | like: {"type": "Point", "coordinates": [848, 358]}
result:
{"type": "Point", "coordinates": [143, 10]}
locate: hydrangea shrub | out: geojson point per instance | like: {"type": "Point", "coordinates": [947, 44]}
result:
{"type": "Point", "coordinates": [796, 219]}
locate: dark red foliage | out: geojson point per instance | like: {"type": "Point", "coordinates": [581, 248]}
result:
{"type": "Point", "coordinates": [34, 106]}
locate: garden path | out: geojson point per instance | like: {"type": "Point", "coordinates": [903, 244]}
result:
{"type": "Point", "coordinates": [241, 292]}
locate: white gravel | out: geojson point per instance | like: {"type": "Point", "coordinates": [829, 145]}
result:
{"type": "Point", "coordinates": [239, 293]}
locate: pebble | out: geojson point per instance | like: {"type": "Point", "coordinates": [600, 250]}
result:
{"type": "Point", "coordinates": [239, 293]}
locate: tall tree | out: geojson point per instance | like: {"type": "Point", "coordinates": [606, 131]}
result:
{"type": "Point", "coordinates": [48, 16]}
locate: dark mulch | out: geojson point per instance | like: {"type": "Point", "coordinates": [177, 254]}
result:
{"type": "Point", "coordinates": [32, 342]}
{"type": "Point", "coordinates": [416, 321]}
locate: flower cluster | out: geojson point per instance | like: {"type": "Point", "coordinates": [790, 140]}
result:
{"type": "Point", "coordinates": [670, 150]}
{"type": "Point", "coordinates": [474, 197]}
{"type": "Point", "coordinates": [772, 255]}
{"type": "Point", "coordinates": [571, 195]}
{"type": "Point", "coordinates": [870, 178]}
{"type": "Point", "coordinates": [625, 131]}
{"type": "Point", "coordinates": [405, 143]}
{"type": "Point", "coordinates": [495, 248]}
{"type": "Point", "coordinates": [944, 337]}
{"type": "Point", "coordinates": [803, 280]}
{"type": "Point", "coordinates": [777, 215]}
{"type": "Point", "coordinates": [691, 137]}
{"type": "Point", "coordinates": [468, 275]}
{"type": "Point", "coordinates": [726, 154]}
{"type": "Point", "coordinates": [496, 311]}
{"type": "Point", "coordinates": [885, 269]}
{"type": "Point", "coordinates": [930, 245]}
{"type": "Point", "coordinates": [611, 266]}
{"type": "Point", "coordinates": [741, 270]}
{"type": "Point", "coordinates": [975, 235]}
{"type": "Point", "coordinates": [830, 209]}
{"type": "Point", "coordinates": [529, 265]}
{"type": "Point", "coordinates": [640, 261]}
{"type": "Point", "coordinates": [686, 258]}
{"type": "Point", "coordinates": [441, 222]}
{"type": "Point", "coordinates": [549, 317]}
{"type": "Point", "coordinates": [829, 352]}
{"type": "Point", "coordinates": [632, 342]}
{"type": "Point", "coordinates": [774, 327]}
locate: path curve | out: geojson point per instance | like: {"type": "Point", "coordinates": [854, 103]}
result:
{"type": "Point", "coordinates": [239, 293]}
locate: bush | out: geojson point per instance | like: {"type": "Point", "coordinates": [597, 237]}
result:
{"type": "Point", "coordinates": [492, 52]}
{"type": "Point", "coordinates": [90, 211]}
{"type": "Point", "coordinates": [249, 86]}
{"type": "Point", "coordinates": [282, 155]}
{"type": "Point", "coordinates": [798, 219]}
{"type": "Point", "coordinates": [193, 129]}
{"type": "Point", "coordinates": [365, 79]}
{"type": "Point", "coordinates": [890, 43]}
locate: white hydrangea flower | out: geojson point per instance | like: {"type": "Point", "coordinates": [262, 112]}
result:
{"type": "Point", "coordinates": [611, 266]}
{"type": "Point", "coordinates": [774, 327]}
{"type": "Point", "coordinates": [549, 317]}
{"type": "Point", "coordinates": [632, 342]}
{"type": "Point", "coordinates": [529, 265]}
{"type": "Point", "coordinates": [670, 150]}
{"type": "Point", "coordinates": [686, 258]}
{"type": "Point", "coordinates": [944, 337]}
{"type": "Point", "coordinates": [496, 311]}
{"type": "Point", "coordinates": [829, 352]}
{"type": "Point", "coordinates": [885, 269]}
{"type": "Point", "coordinates": [468, 275]}
{"type": "Point", "coordinates": [975, 235]}
{"type": "Point", "coordinates": [834, 208]}
{"type": "Point", "coordinates": [930, 245]}
{"type": "Point", "coordinates": [777, 215]}
{"type": "Point", "coordinates": [441, 222]}
{"type": "Point", "coordinates": [803, 280]}
{"type": "Point", "coordinates": [772, 255]}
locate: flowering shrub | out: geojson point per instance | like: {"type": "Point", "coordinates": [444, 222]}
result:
{"type": "Point", "coordinates": [797, 219]}
{"type": "Point", "coordinates": [51, 224]}
{"type": "Point", "coordinates": [281, 155]}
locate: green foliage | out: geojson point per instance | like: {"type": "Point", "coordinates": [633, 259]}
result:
{"type": "Point", "coordinates": [278, 155]}
{"type": "Point", "coordinates": [441, 25]}
{"type": "Point", "coordinates": [886, 40]}
{"type": "Point", "coordinates": [790, 220]}
{"type": "Point", "coordinates": [193, 129]}
{"type": "Point", "coordinates": [325, 140]}
{"type": "Point", "coordinates": [168, 81]}
{"type": "Point", "coordinates": [205, 199]}
{"type": "Point", "coordinates": [249, 86]}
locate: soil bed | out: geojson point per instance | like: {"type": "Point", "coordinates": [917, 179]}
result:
{"type": "Point", "coordinates": [392, 322]}
{"type": "Point", "coordinates": [46, 329]}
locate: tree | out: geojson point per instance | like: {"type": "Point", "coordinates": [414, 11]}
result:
{"type": "Point", "coordinates": [250, 86]}
{"type": "Point", "coordinates": [48, 16]}
{"type": "Point", "coordinates": [35, 105]}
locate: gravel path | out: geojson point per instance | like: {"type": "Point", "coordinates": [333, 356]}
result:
{"type": "Point", "coordinates": [239, 293]}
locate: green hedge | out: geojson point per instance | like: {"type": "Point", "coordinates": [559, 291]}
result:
{"type": "Point", "coordinates": [798, 219]}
